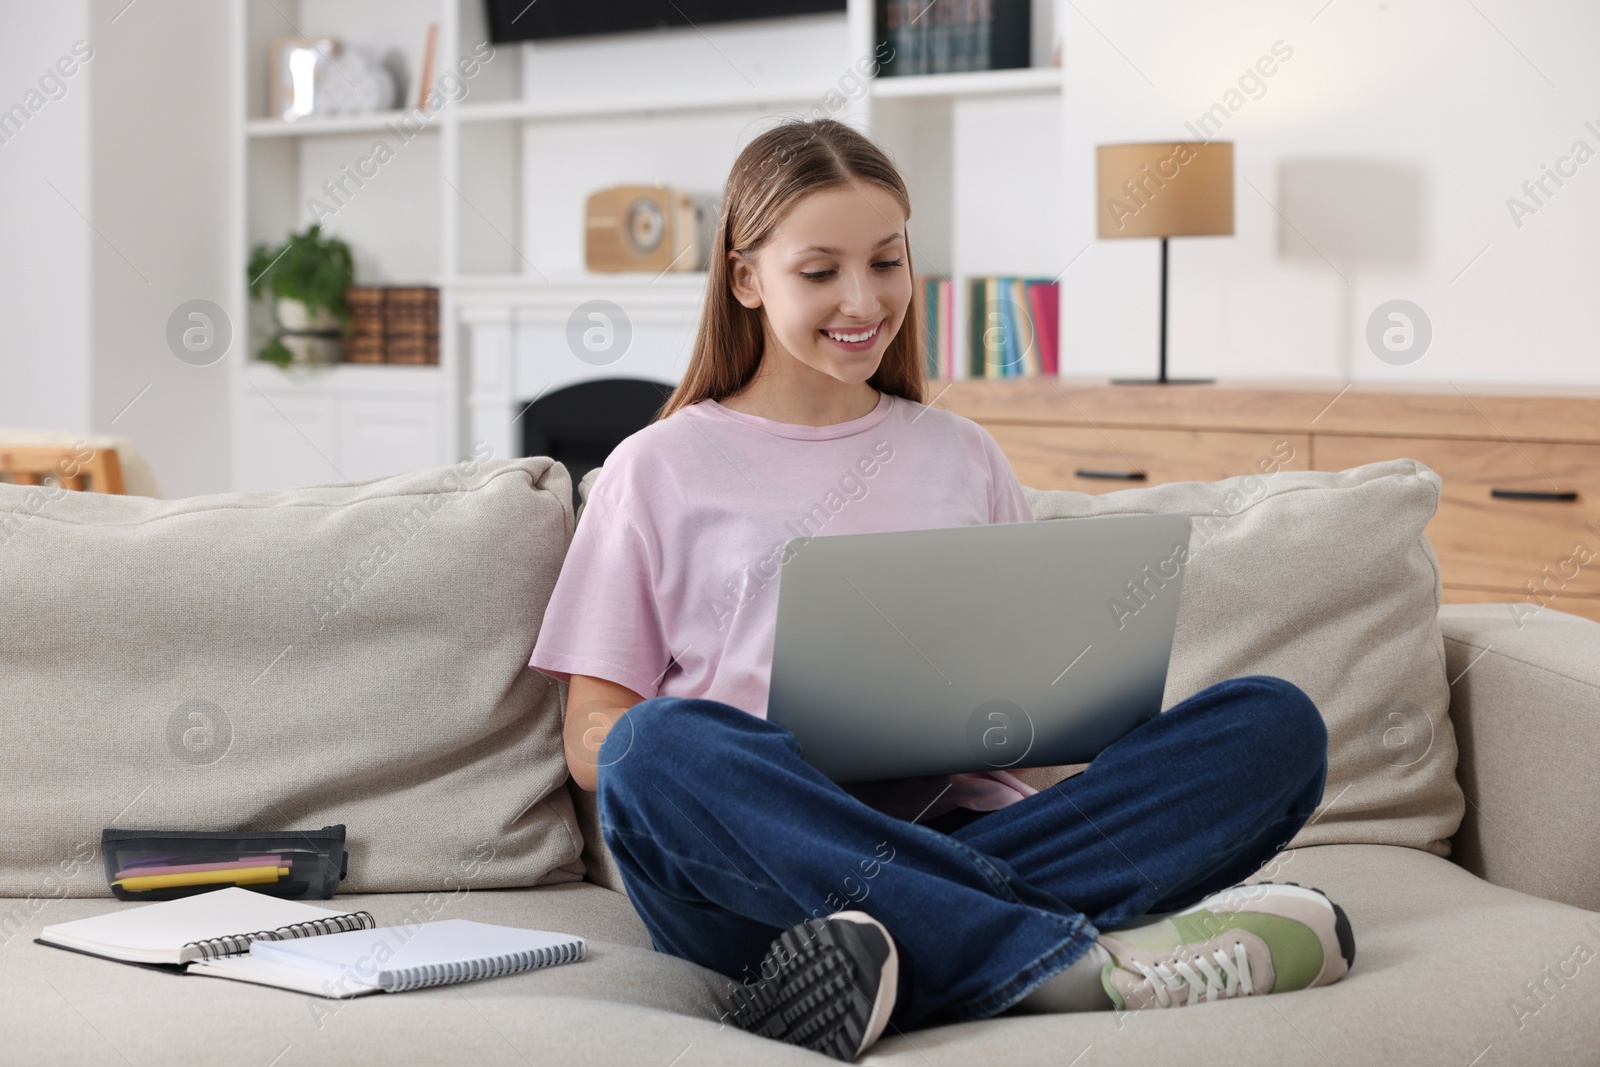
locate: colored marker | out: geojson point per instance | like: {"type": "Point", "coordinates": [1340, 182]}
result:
{"type": "Point", "coordinates": [242, 861]}
{"type": "Point", "coordinates": [238, 875]}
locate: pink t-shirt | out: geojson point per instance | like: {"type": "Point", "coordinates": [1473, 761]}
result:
{"type": "Point", "coordinates": [670, 586]}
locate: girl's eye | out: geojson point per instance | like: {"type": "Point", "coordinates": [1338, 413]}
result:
{"type": "Point", "coordinates": [817, 276]}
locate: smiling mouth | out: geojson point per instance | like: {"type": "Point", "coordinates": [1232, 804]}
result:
{"type": "Point", "coordinates": [855, 336]}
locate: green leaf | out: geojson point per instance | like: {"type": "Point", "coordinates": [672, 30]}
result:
{"type": "Point", "coordinates": [310, 268]}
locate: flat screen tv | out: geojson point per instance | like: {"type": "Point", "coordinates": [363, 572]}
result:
{"type": "Point", "coordinates": [526, 20]}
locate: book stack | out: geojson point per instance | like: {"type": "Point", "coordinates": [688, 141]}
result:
{"type": "Point", "coordinates": [393, 324]}
{"type": "Point", "coordinates": [365, 342]}
{"type": "Point", "coordinates": [952, 35]}
{"type": "Point", "coordinates": [411, 324]}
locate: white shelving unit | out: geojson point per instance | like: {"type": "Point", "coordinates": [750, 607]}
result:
{"type": "Point", "coordinates": [485, 199]}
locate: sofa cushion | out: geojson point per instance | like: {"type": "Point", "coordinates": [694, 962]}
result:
{"type": "Point", "coordinates": [346, 653]}
{"type": "Point", "coordinates": [1324, 579]}
{"type": "Point", "coordinates": [1447, 966]}
{"type": "Point", "coordinates": [624, 1003]}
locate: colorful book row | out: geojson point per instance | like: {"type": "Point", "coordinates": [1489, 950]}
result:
{"type": "Point", "coordinates": [1010, 327]}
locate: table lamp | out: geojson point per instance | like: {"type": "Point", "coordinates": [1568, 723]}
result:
{"type": "Point", "coordinates": [1165, 189]}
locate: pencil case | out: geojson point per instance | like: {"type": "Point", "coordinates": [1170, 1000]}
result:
{"type": "Point", "coordinates": [168, 864]}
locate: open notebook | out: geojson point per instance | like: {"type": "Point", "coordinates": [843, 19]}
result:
{"type": "Point", "coordinates": [220, 922]}
{"type": "Point", "coordinates": [393, 959]}
{"type": "Point", "coordinates": [252, 937]}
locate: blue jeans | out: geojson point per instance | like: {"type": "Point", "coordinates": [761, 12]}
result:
{"type": "Point", "coordinates": [726, 837]}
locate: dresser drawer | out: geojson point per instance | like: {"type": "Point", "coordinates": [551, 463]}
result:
{"type": "Point", "coordinates": [1540, 546]}
{"type": "Point", "coordinates": [1087, 460]}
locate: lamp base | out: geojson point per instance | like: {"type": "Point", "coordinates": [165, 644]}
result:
{"type": "Point", "coordinates": [1163, 381]}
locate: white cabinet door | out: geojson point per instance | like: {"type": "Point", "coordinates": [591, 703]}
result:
{"type": "Point", "coordinates": [288, 441]}
{"type": "Point", "coordinates": [382, 437]}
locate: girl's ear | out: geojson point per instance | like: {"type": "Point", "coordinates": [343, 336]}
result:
{"type": "Point", "coordinates": [742, 280]}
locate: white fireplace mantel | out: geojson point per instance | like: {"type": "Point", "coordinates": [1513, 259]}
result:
{"type": "Point", "coordinates": [524, 338]}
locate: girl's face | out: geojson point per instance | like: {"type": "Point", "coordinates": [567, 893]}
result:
{"type": "Point", "coordinates": [835, 268]}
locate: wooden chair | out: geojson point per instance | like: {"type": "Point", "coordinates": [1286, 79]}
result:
{"type": "Point", "coordinates": [78, 467]}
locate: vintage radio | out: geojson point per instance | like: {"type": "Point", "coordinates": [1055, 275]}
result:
{"type": "Point", "coordinates": [648, 228]}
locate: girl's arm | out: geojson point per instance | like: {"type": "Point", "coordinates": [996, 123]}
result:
{"type": "Point", "coordinates": [593, 706]}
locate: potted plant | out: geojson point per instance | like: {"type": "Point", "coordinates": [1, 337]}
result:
{"type": "Point", "coordinates": [308, 277]}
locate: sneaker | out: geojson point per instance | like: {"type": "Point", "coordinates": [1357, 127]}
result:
{"type": "Point", "coordinates": [831, 989]}
{"type": "Point", "coordinates": [1244, 941]}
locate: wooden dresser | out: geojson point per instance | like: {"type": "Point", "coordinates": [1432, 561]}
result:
{"type": "Point", "coordinates": [1519, 520]}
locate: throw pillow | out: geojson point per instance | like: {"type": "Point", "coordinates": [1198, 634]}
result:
{"type": "Point", "coordinates": [1327, 580]}
{"type": "Point", "coordinates": [348, 653]}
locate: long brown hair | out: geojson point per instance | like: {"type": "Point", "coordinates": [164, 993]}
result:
{"type": "Point", "coordinates": [771, 175]}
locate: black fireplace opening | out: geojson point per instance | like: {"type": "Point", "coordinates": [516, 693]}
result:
{"type": "Point", "coordinates": [580, 424]}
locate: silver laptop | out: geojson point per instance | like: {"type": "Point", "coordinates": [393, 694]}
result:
{"type": "Point", "coordinates": [974, 648]}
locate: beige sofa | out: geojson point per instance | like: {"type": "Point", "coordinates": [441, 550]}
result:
{"type": "Point", "coordinates": [357, 654]}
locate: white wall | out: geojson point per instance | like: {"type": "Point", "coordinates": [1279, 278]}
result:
{"type": "Point", "coordinates": [564, 162]}
{"type": "Point", "coordinates": [44, 243]}
{"type": "Point", "coordinates": [1391, 140]}
{"type": "Point", "coordinates": [113, 206]}
{"type": "Point", "coordinates": [159, 148]}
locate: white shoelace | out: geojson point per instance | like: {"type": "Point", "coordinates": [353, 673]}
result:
{"type": "Point", "coordinates": [1208, 983]}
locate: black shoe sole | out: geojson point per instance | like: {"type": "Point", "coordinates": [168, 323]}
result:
{"type": "Point", "coordinates": [825, 977]}
{"type": "Point", "coordinates": [1347, 936]}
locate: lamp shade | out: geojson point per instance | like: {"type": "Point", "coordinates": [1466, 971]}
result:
{"type": "Point", "coordinates": [1165, 189]}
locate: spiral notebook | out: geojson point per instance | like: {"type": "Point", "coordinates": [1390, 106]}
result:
{"type": "Point", "coordinates": [393, 959]}
{"type": "Point", "coordinates": [221, 922]}
{"type": "Point", "coordinates": [251, 937]}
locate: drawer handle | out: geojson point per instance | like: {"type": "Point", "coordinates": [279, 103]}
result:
{"type": "Point", "coordinates": [1126, 476]}
{"type": "Point", "coordinates": [1531, 494]}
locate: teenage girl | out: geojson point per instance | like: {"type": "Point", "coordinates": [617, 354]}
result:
{"type": "Point", "coordinates": [839, 911]}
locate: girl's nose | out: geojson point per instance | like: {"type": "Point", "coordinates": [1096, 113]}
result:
{"type": "Point", "coordinates": [858, 296]}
